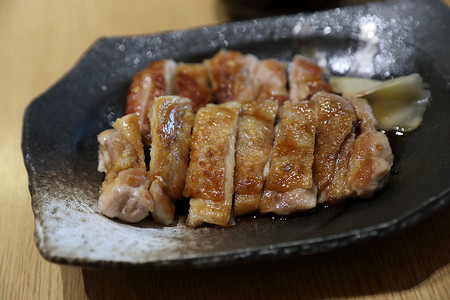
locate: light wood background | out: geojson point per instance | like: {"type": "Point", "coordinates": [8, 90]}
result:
{"type": "Point", "coordinates": [40, 40]}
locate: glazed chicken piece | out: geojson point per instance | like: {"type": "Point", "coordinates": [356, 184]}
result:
{"type": "Point", "coordinates": [152, 82]}
{"type": "Point", "coordinates": [289, 185]}
{"type": "Point", "coordinates": [269, 81]}
{"type": "Point", "coordinates": [361, 155]}
{"type": "Point", "coordinates": [253, 145]}
{"type": "Point", "coordinates": [124, 193]}
{"type": "Point", "coordinates": [230, 73]}
{"type": "Point", "coordinates": [372, 157]}
{"type": "Point", "coordinates": [337, 188]}
{"type": "Point", "coordinates": [336, 121]}
{"type": "Point", "coordinates": [192, 81]}
{"type": "Point", "coordinates": [171, 124]}
{"type": "Point", "coordinates": [305, 79]}
{"type": "Point", "coordinates": [210, 175]}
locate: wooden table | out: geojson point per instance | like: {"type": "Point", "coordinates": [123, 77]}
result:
{"type": "Point", "coordinates": [40, 41]}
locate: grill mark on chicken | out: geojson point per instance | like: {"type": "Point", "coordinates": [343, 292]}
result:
{"type": "Point", "coordinates": [289, 186]}
{"type": "Point", "coordinates": [305, 79]}
{"type": "Point", "coordinates": [210, 176]}
{"type": "Point", "coordinates": [153, 81]}
{"type": "Point", "coordinates": [124, 193]}
{"type": "Point", "coordinates": [253, 145]}
{"type": "Point", "coordinates": [192, 81]}
{"type": "Point", "coordinates": [230, 73]}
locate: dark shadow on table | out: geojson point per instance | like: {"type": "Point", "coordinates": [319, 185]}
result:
{"type": "Point", "coordinates": [396, 263]}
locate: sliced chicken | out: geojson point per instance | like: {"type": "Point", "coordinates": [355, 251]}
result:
{"type": "Point", "coordinates": [325, 149]}
{"type": "Point", "coordinates": [337, 188]}
{"type": "Point", "coordinates": [230, 73]}
{"type": "Point", "coordinates": [127, 197]}
{"type": "Point", "coordinates": [362, 161]}
{"type": "Point", "coordinates": [372, 157]}
{"type": "Point", "coordinates": [269, 81]}
{"type": "Point", "coordinates": [171, 125]}
{"type": "Point", "coordinates": [108, 151]}
{"type": "Point", "coordinates": [192, 81]}
{"type": "Point", "coordinates": [124, 193]}
{"type": "Point", "coordinates": [210, 176]}
{"type": "Point", "coordinates": [289, 185]}
{"type": "Point", "coordinates": [253, 145]}
{"type": "Point", "coordinates": [336, 121]}
{"type": "Point", "coordinates": [164, 210]}
{"type": "Point", "coordinates": [305, 79]}
{"type": "Point", "coordinates": [153, 81]}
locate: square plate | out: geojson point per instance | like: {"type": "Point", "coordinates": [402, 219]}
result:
{"type": "Point", "coordinates": [378, 40]}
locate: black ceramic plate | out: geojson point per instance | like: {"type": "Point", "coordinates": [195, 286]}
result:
{"type": "Point", "coordinates": [379, 40]}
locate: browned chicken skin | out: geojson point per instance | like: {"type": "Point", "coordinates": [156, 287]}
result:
{"type": "Point", "coordinates": [305, 79]}
{"type": "Point", "coordinates": [121, 148]}
{"type": "Point", "coordinates": [253, 145]}
{"type": "Point", "coordinates": [351, 157]}
{"type": "Point", "coordinates": [336, 121]}
{"type": "Point", "coordinates": [152, 82]}
{"type": "Point", "coordinates": [230, 73]}
{"type": "Point", "coordinates": [269, 81]}
{"type": "Point", "coordinates": [210, 177]}
{"type": "Point", "coordinates": [191, 81]}
{"type": "Point", "coordinates": [372, 157]}
{"type": "Point", "coordinates": [289, 185]}
{"type": "Point", "coordinates": [171, 125]}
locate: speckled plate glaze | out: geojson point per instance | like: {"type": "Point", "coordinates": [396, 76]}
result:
{"type": "Point", "coordinates": [379, 40]}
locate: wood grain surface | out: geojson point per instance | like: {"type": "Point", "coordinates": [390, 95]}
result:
{"type": "Point", "coordinates": [40, 41]}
